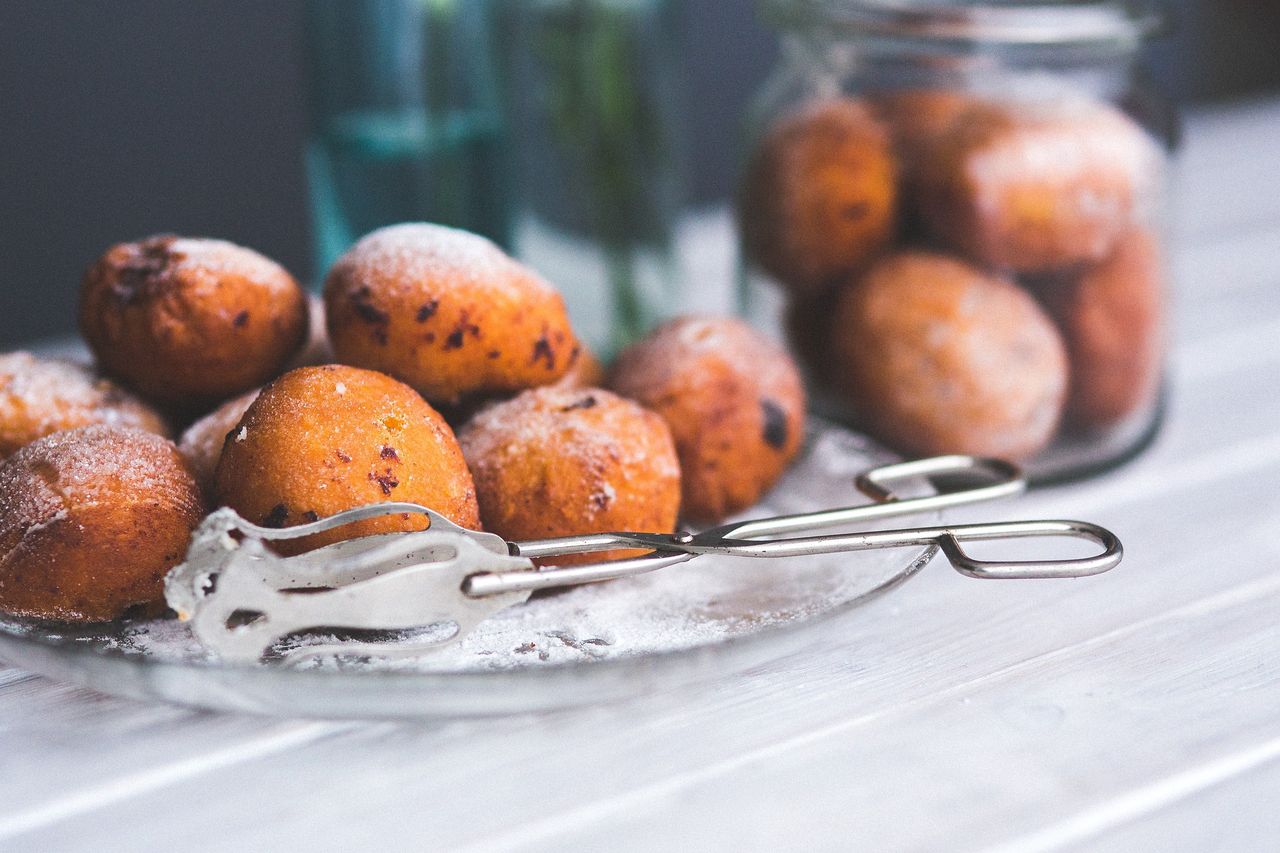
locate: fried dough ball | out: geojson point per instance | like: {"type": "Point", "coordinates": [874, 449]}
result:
{"type": "Point", "coordinates": [317, 350]}
{"type": "Point", "coordinates": [734, 402]}
{"type": "Point", "coordinates": [563, 461]}
{"type": "Point", "coordinates": [1033, 187]}
{"type": "Point", "coordinates": [320, 440]}
{"type": "Point", "coordinates": [585, 372]}
{"type": "Point", "coordinates": [201, 443]}
{"type": "Point", "coordinates": [91, 519]}
{"type": "Point", "coordinates": [819, 197]}
{"type": "Point", "coordinates": [937, 356]}
{"type": "Point", "coordinates": [189, 322]}
{"type": "Point", "coordinates": [41, 396]}
{"type": "Point", "coordinates": [1112, 319]}
{"type": "Point", "coordinates": [916, 117]}
{"type": "Point", "coordinates": [446, 311]}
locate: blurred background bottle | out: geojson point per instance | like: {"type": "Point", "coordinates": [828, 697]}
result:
{"type": "Point", "coordinates": [595, 115]}
{"type": "Point", "coordinates": [405, 119]}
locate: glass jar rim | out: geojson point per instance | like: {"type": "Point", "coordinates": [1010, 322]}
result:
{"type": "Point", "coordinates": [1106, 24]}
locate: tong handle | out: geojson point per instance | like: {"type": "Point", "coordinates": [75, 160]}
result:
{"type": "Point", "coordinates": [948, 539]}
{"type": "Point", "coordinates": [1077, 567]}
{"type": "Point", "coordinates": [1006, 480]}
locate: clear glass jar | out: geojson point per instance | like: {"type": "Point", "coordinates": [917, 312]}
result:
{"type": "Point", "coordinates": [954, 211]}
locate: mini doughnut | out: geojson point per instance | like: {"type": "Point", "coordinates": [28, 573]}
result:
{"type": "Point", "coordinates": [41, 396]}
{"type": "Point", "coordinates": [190, 322]}
{"type": "Point", "coordinates": [734, 402]}
{"type": "Point", "coordinates": [819, 198]}
{"type": "Point", "coordinates": [201, 443]}
{"type": "Point", "coordinates": [1112, 318]}
{"type": "Point", "coordinates": [1035, 187]}
{"type": "Point", "coordinates": [447, 312]}
{"type": "Point", "coordinates": [320, 440]}
{"type": "Point", "coordinates": [91, 519]}
{"type": "Point", "coordinates": [916, 117]}
{"type": "Point", "coordinates": [317, 350]}
{"type": "Point", "coordinates": [937, 356]}
{"type": "Point", "coordinates": [563, 461]}
{"type": "Point", "coordinates": [585, 372]}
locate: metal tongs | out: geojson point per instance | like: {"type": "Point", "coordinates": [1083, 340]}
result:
{"type": "Point", "coordinates": [242, 598]}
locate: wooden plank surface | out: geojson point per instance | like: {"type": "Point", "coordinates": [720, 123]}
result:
{"type": "Point", "coordinates": [1133, 709]}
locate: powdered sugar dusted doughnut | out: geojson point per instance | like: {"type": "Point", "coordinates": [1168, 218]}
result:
{"type": "Point", "coordinates": [563, 461]}
{"type": "Point", "coordinates": [91, 519]}
{"type": "Point", "coordinates": [819, 198]}
{"type": "Point", "coordinates": [938, 356]}
{"type": "Point", "coordinates": [191, 322]}
{"type": "Point", "coordinates": [733, 399]}
{"type": "Point", "coordinates": [446, 311]}
{"type": "Point", "coordinates": [42, 396]}
{"type": "Point", "coordinates": [1037, 186]}
{"type": "Point", "coordinates": [1112, 319]}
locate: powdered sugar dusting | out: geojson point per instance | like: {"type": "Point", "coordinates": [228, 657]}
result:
{"type": "Point", "coordinates": [221, 257]}
{"type": "Point", "coordinates": [534, 419]}
{"type": "Point", "coordinates": [416, 252]}
{"type": "Point", "coordinates": [685, 341]}
{"type": "Point", "coordinates": [40, 396]}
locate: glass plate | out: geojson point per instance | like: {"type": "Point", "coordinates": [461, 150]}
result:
{"type": "Point", "coordinates": [706, 618]}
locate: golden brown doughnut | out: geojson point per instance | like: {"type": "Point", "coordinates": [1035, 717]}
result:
{"type": "Point", "coordinates": [446, 311]}
{"type": "Point", "coordinates": [819, 198]}
{"type": "Point", "coordinates": [40, 396]}
{"type": "Point", "coordinates": [1034, 187]}
{"type": "Point", "coordinates": [916, 117]}
{"type": "Point", "coordinates": [317, 350]}
{"type": "Point", "coordinates": [734, 402]}
{"type": "Point", "coordinates": [585, 372]}
{"type": "Point", "coordinates": [91, 519]}
{"type": "Point", "coordinates": [563, 461]}
{"type": "Point", "coordinates": [1112, 318]}
{"type": "Point", "coordinates": [201, 443]}
{"type": "Point", "coordinates": [320, 440]}
{"type": "Point", "coordinates": [190, 322]}
{"type": "Point", "coordinates": [937, 356]}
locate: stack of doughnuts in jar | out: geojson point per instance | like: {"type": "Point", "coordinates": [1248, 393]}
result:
{"type": "Point", "coordinates": [965, 272]}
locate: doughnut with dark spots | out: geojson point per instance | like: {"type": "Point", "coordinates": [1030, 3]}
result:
{"type": "Point", "coordinates": [819, 198]}
{"type": "Point", "coordinates": [562, 461]}
{"type": "Point", "coordinates": [733, 399]}
{"type": "Point", "coordinates": [320, 440]}
{"type": "Point", "coordinates": [447, 312]}
{"type": "Point", "coordinates": [190, 322]}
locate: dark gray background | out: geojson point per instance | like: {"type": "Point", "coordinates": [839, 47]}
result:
{"type": "Point", "coordinates": [121, 118]}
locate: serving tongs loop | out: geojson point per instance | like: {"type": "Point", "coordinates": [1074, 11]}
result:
{"type": "Point", "coordinates": [242, 598]}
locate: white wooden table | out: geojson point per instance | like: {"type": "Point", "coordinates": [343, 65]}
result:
{"type": "Point", "coordinates": [1136, 710]}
